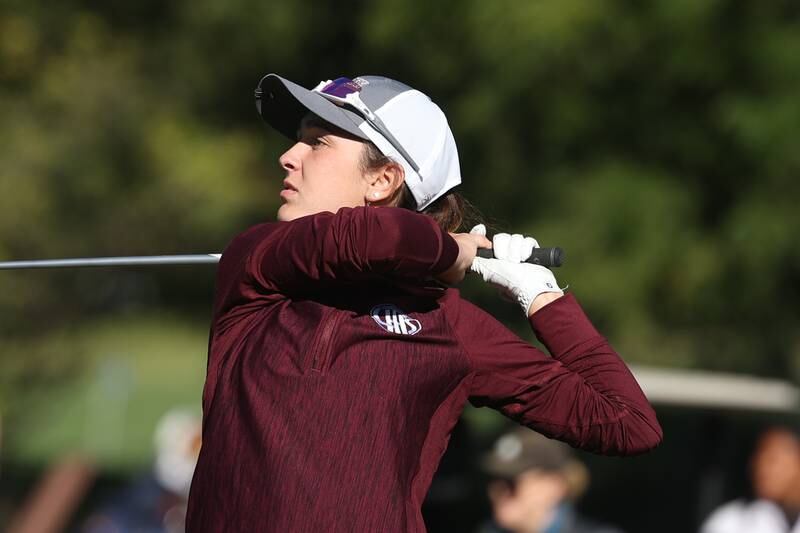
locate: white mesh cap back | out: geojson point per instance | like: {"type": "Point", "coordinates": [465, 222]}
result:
{"type": "Point", "coordinates": [421, 127]}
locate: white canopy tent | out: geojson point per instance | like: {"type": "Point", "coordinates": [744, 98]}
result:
{"type": "Point", "coordinates": [716, 390]}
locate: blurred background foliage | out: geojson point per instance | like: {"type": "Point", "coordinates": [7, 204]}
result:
{"type": "Point", "coordinates": [657, 142]}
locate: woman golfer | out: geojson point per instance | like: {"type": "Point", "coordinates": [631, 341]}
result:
{"type": "Point", "coordinates": [339, 362]}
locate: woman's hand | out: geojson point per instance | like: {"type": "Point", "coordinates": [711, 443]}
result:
{"type": "Point", "coordinates": [468, 244]}
{"type": "Point", "coordinates": [532, 286]}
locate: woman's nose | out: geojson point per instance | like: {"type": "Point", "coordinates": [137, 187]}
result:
{"type": "Point", "coordinates": [291, 158]}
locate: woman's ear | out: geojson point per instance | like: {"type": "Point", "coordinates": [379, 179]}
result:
{"type": "Point", "coordinates": [384, 182]}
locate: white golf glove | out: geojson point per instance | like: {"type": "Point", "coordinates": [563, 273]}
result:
{"type": "Point", "coordinates": [521, 282]}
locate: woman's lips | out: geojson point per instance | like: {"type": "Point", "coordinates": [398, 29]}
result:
{"type": "Point", "coordinates": [289, 190]}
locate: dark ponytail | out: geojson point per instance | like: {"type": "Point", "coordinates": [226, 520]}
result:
{"type": "Point", "coordinates": [452, 212]}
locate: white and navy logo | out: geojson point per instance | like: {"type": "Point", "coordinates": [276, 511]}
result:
{"type": "Point", "coordinates": [394, 320]}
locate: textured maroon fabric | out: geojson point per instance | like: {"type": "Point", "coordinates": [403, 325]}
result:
{"type": "Point", "coordinates": [337, 370]}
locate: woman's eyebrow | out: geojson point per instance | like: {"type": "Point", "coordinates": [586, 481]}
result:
{"type": "Point", "coordinates": [312, 131]}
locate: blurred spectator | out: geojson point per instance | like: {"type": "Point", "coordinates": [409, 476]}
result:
{"type": "Point", "coordinates": [156, 502]}
{"type": "Point", "coordinates": [536, 483]}
{"type": "Point", "coordinates": [775, 474]}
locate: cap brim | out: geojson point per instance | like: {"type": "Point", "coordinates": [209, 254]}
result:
{"type": "Point", "coordinates": [574, 472]}
{"type": "Point", "coordinates": [502, 469]}
{"type": "Point", "coordinates": [283, 104]}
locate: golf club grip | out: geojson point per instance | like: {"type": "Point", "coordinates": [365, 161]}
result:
{"type": "Point", "coordinates": [547, 257]}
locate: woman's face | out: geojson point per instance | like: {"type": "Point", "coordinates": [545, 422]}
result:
{"type": "Point", "coordinates": [776, 465]}
{"type": "Point", "coordinates": [530, 502]}
{"type": "Point", "coordinates": [323, 172]}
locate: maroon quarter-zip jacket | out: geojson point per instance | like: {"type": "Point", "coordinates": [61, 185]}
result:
{"type": "Point", "coordinates": [337, 370]}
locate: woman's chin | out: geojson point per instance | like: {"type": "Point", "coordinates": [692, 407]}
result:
{"type": "Point", "coordinates": [286, 213]}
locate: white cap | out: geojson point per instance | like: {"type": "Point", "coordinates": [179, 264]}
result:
{"type": "Point", "coordinates": [418, 124]}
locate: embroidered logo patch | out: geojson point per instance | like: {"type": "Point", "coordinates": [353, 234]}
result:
{"type": "Point", "coordinates": [394, 320]}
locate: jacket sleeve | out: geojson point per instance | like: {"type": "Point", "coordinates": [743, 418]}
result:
{"type": "Point", "coordinates": [355, 244]}
{"type": "Point", "coordinates": [584, 394]}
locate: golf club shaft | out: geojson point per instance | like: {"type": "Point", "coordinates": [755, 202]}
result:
{"type": "Point", "coordinates": [112, 261]}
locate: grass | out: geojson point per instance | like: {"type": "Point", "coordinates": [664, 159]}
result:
{"type": "Point", "coordinates": [131, 371]}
